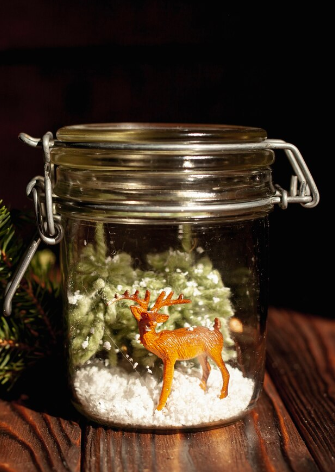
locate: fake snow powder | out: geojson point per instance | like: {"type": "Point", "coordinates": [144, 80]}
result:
{"type": "Point", "coordinates": [116, 397]}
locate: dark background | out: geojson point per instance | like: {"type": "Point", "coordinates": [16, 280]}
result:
{"type": "Point", "coordinates": [80, 61]}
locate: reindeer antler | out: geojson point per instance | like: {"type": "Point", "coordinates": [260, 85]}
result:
{"type": "Point", "coordinates": [126, 296]}
{"type": "Point", "coordinates": [166, 301]}
{"type": "Point", "coordinates": [162, 300]}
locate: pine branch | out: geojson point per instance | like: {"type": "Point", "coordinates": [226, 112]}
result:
{"type": "Point", "coordinates": [33, 331]}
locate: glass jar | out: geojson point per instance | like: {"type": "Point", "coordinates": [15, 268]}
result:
{"type": "Point", "coordinates": [164, 253]}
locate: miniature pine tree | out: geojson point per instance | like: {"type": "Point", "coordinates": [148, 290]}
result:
{"type": "Point", "coordinates": [108, 330]}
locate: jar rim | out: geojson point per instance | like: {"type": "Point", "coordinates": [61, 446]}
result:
{"type": "Point", "coordinates": [153, 133]}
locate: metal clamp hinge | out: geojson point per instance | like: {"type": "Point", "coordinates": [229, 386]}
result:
{"type": "Point", "coordinates": [302, 189]}
{"type": "Point", "coordinates": [49, 228]}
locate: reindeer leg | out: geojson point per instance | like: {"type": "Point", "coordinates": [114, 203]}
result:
{"type": "Point", "coordinates": [217, 358]}
{"type": "Point", "coordinates": [167, 383]}
{"type": "Point", "coordinates": [206, 368]}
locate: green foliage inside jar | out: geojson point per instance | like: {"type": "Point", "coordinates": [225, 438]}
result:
{"type": "Point", "coordinates": [104, 330]}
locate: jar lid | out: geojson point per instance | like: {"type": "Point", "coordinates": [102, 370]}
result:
{"type": "Point", "coordinates": [163, 168]}
{"type": "Point", "coordinates": [165, 163]}
{"type": "Point", "coordinates": [152, 133]}
{"type": "Point", "coordinates": [158, 146]}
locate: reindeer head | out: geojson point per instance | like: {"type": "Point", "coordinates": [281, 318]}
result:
{"type": "Point", "coordinates": [142, 313]}
{"type": "Point", "coordinates": [150, 319]}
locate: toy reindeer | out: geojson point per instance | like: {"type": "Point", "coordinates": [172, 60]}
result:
{"type": "Point", "coordinates": [179, 344]}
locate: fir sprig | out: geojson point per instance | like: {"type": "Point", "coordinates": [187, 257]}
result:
{"type": "Point", "coordinates": [33, 330]}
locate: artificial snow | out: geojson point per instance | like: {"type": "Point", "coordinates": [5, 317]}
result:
{"type": "Point", "coordinates": [113, 396]}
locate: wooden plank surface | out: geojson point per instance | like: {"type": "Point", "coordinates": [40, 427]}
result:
{"type": "Point", "coordinates": [31, 441]}
{"type": "Point", "coordinates": [301, 361]}
{"type": "Point", "coordinates": [291, 429]}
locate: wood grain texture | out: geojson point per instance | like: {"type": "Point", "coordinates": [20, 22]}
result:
{"type": "Point", "coordinates": [31, 441]}
{"type": "Point", "coordinates": [301, 362]}
{"type": "Point", "coordinates": [276, 443]}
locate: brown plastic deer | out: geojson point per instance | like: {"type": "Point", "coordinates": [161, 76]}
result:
{"type": "Point", "coordinates": [179, 344]}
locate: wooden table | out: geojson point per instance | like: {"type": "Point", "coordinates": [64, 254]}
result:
{"type": "Point", "coordinates": [291, 429]}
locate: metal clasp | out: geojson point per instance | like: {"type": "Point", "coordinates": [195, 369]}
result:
{"type": "Point", "coordinates": [302, 189]}
{"type": "Point", "coordinates": [49, 228]}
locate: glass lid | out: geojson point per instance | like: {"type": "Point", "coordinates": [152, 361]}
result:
{"type": "Point", "coordinates": [146, 133]}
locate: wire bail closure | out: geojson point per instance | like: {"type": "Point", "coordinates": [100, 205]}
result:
{"type": "Point", "coordinates": [50, 231]}
{"type": "Point", "coordinates": [49, 228]}
{"type": "Point", "coordinates": [302, 190]}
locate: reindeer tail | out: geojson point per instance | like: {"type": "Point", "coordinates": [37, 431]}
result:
{"type": "Point", "coordinates": [217, 323]}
